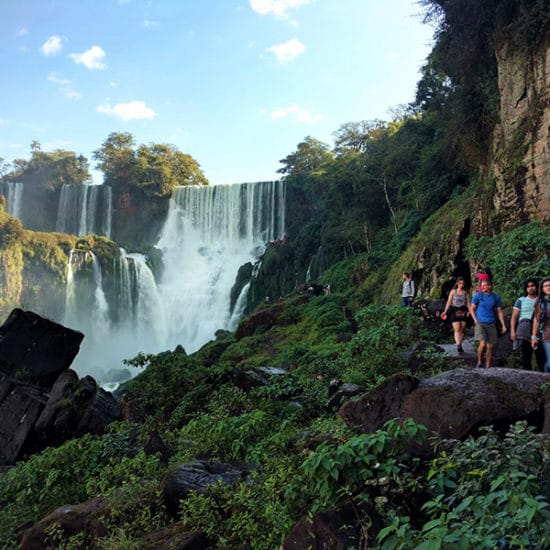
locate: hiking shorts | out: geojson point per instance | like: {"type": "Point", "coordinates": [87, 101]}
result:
{"type": "Point", "coordinates": [486, 332]}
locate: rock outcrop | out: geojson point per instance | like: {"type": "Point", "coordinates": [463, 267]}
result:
{"type": "Point", "coordinates": [42, 401]}
{"type": "Point", "coordinates": [521, 139]}
{"type": "Point", "coordinates": [198, 476]}
{"type": "Point", "coordinates": [455, 403]}
{"type": "Point", "coordinates": [36, 349]}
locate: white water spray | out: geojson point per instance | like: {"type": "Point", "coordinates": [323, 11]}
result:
{"type": "Point", "coordinates": [209, 233]}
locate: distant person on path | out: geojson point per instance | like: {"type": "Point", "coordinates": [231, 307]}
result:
{"type": "Point", "coordinates": [486, 306]}
{"type": "Point", "coordinates": [541, 323]}
{"type": "Point", "coordinates": [457, 309]}
{"type": "Point", "coordinates": [521, 326]}
{"type": "Point", "coordinates": [407, 292]}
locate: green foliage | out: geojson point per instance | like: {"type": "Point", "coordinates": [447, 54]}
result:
{"type": "Point", "coordinates": [375, 351]}
{"type": "Point", "coordinates": [11, 230]}
{"type": "Point", "coordinates": [50, 170]}
{"type": "Point", "coordinates": [76, 471]}
{"type": "Point", "coordinates": [167, 378]}
{"type": "Point", "coordinates": [155, 169]}
{"type": "Point", "coordinates": [487, 494]}
{"type": "Point", "coordinates": [372, 468]}
{"type": "Point", "coordinates": [310, 156]}
{"type": "Point", "coordinates": [513, 256]}
{"type": "Point", "coordinates": [252, 514]}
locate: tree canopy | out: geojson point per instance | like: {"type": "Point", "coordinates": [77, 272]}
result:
{"type": "Point", "coordinates": [310, 156]}
{"type": "Point", "coordinates": [156, 168]}
{"type": "Point", "coordinates": [49, 170]}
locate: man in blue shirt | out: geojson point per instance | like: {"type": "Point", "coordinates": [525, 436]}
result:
{"type": "Point", "coordinates": [485, 308]}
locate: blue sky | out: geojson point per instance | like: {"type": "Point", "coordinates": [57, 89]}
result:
{"type": "Point", "coordinates": [235, 83]}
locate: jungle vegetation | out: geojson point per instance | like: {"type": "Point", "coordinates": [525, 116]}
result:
{"type": "Point", "coordinates": [359, 208]}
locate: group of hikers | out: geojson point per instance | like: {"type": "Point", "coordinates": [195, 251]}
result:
{"type": "Point", "coordinates": [529, 323]}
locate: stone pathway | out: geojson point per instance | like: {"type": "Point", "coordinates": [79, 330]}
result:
{"type": "Point", "coordinates": [468, 356]}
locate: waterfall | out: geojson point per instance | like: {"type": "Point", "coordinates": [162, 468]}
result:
{"type": "Point", "coordinates": [13, 191]}
{"type": "Point", "coordinates": [209, 233]}
{"type": "Point", "coordinates": [316, 266]}
{"type": "Point", "coordinates": [239, 308]}
{"type": "Point", "coordinates": [84, 209]}
{"type": "Point", "coordinates": [143, 302]}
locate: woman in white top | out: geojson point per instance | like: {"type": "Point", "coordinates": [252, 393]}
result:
{"type": "Point", "coordinates": [458, 309]}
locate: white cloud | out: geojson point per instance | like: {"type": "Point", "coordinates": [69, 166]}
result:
{"type": "Point", "coordinates": [91, 58]}
{"type": "Point", "coordinates": [23, 31]}
{"type": "Point", "coordinates": [53, 45]}
{"type": "Point", "coordinates": [133, 110]}
{"type": "Point", "coordinates": [65, 86]}
{"type": "Point", "coordinates": [299, 113]}
{"type": "Point", "coordinates": [2, 121]}
{"type": "Point", "coordinates": [278, 8]}
{"type": "Point", "coordinates": [287, 51]}
{"type": "Point", "coordinates": [149, 23]}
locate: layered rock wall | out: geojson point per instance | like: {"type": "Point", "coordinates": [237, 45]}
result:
{"type": "Point", "coordinates": [521, 140]}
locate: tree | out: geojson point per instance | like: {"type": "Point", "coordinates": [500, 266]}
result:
{"type": "Point", "coordinates": [162, 167]}
{"type": "Point", "coordinates": [116, 159]}
{"type": "Point", "coordinates": [156, 169]}
{"type": "Point", "coordinates": [353, 137]}
{"type": "Point", "coordinates": [309, 157]}
{"type": "Point", "coordinates": [50, 170]}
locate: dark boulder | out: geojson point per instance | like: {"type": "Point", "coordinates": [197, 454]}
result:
{"type": "Point", "coordinates": [430, 311]}
{"type": "Point", "coordinates": [87, 517]}
{"type": "Point", "coordinates": [258, 376]}
{"type": "Point", "coordinates": [455, 403]}
{"type": "Point", "coordinates": [33, 419]}
{"type": "Point", "coordinates": [173, 537]}
{"type": "Point", "coordinates": [20, 407]}
{"type": "Point", "coordinates": [36, 349]}
{"type": "Point", "coordinates": [335, 530]}
{"type": "Point", "coordinates": [199, 476]}
{"type": "Point", "coordinates": [339, 391]}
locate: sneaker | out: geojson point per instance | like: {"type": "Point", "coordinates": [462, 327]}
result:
{"type": "Point", "coordinates": [460, 349]}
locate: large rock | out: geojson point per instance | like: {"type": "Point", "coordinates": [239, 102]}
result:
{"type": "Point", "coordinates": [33, 419]}
{"type": "Point", "coordinates": [523, 129]}
{"type": "Point", "coordinates": [20, 406]}
{"type": "Point", "coordinates": [87, 517]}
{"type": "Point", "coordinates": [35, 348]}
{"type": "Point", "coordinates": [198, 476]}
{"type": "Point", "coordinates": [454, 403]}
{"type": "Point", "coordinates": [173, 537]}
{"type": "Point", "coordinates": [334, 530]}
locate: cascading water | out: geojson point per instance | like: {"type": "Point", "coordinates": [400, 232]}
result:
{"type": "Point", "coordinates": [86, 307]}
{"type": "Point", "coordinates": [13, 191]}
{"type": "Point", "coordinates": [84, 209]}
{"type": "Point", "coordinates": [119, 327]}
{"type": "Point", "coordinates": [209, 233]}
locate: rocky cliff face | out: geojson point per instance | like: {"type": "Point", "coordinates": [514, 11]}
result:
{"type": "Point", "coordinates": [521, 140]}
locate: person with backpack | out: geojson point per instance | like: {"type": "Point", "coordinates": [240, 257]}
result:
{"type": "Point", "coordinates": [485, 308]}
{"type": "Point", "coordinates": [541, 323]}
{"type": "Point", "coordinates": [407, 291]}
{"type": "Point", "coordinates": [521, 326]}
{"type": "Point", "coordinates": [457, 309]}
